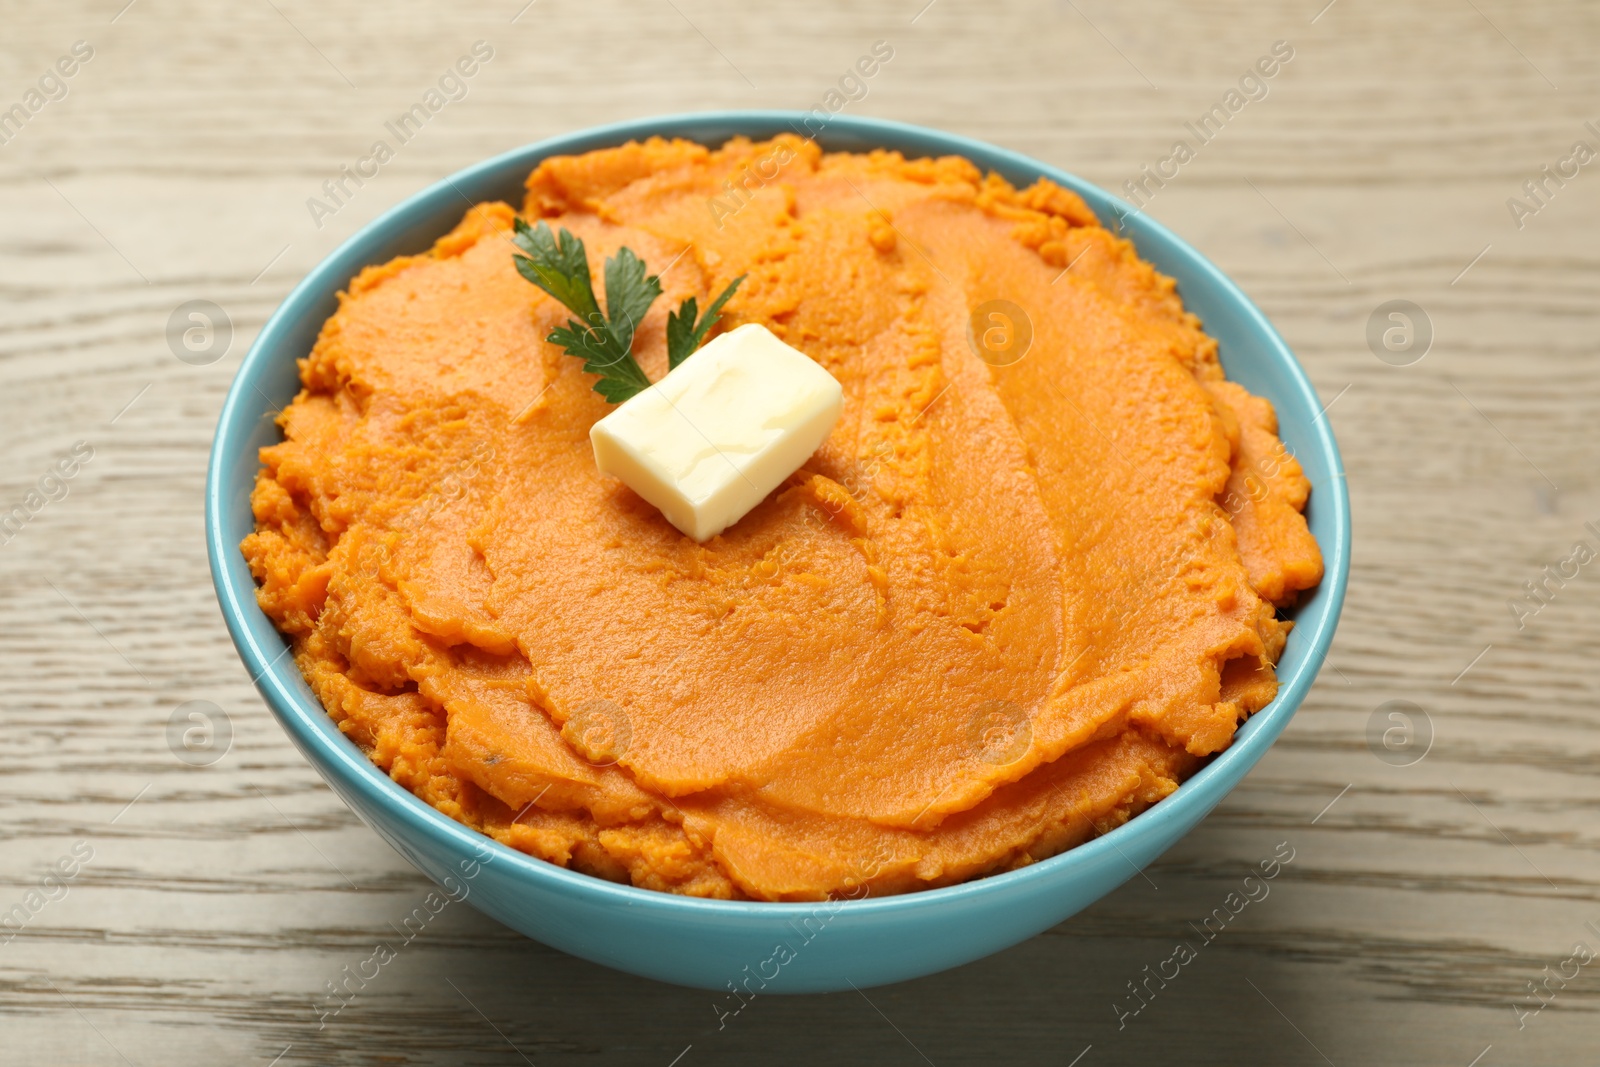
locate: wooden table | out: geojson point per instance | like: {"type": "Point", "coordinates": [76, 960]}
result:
{"type": "Point", "coordinates": [208, 906]}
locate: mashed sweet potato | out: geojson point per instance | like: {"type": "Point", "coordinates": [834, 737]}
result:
{"type": "Point", "coordinates": [1001, 610]}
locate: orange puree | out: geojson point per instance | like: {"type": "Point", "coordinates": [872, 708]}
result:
{"type": "Point", "coordinates": [1001, 610]}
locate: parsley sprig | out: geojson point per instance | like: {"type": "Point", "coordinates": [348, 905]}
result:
{"type": "Point", "coordinates": [684, 334]}
{"type": "Point", "coordinates": [558, 264]}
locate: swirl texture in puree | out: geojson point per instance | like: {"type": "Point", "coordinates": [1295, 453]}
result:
{"type": "Point", "coordinates": [1001, 610]}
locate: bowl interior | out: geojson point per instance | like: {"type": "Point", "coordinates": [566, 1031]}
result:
{"type": "Point", "coordinates": [1251, 351]}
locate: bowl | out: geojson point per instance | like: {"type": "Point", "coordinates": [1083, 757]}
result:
{"type": "Point", "coordinates": [721, 945]}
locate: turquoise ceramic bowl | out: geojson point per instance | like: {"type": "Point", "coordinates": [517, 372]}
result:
{"type": "Point", "coordinates": [715, 944]}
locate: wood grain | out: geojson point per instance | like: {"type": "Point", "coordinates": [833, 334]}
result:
{"type": "Point", "coordinates": [1422, 900]}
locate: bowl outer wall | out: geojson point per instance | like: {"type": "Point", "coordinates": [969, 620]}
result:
{"type": "Point", "coordinates": [718, 944]}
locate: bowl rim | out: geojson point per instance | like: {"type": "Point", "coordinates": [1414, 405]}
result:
{"type": "Point", "coordinates": [331, 753]}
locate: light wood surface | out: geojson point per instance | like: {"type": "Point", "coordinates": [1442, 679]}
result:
{"type": "Point", "coordinates": [219, 900]}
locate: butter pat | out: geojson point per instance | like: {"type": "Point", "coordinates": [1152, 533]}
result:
{"type": "Point", "coordinates": [710, 440]}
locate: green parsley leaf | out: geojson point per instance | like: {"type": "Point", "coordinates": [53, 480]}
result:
{"type": "Point", "coordinates": [629, 294]}
{"type": "Point", "coordinates": [620, 376]}
{"type": "Point", "coordinates": [559, 264]}
{"type": "Point", "coordinates": [684, 334]}
{"type": "Point", "coordinates": [560, 268]}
